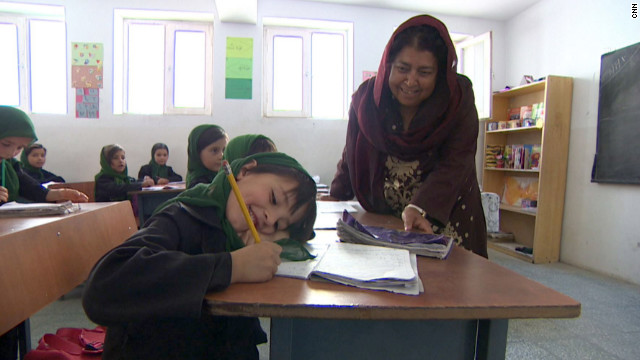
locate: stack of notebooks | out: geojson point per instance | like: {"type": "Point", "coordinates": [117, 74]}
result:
{"type": "Point", "coordinates": [431, 245]}
{"type": "Point", "coordinates": [14, 209]}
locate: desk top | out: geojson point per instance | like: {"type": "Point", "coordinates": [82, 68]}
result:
{"type": "Point", "coordinates": [43, 258]}
{"type": "Point", "coordinates": [464, 286]}
{"type": "Point", "coordinates": [161, 189]}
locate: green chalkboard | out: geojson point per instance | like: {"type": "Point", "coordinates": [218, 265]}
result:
{"type": "Point", "coordinates": [617, 158]}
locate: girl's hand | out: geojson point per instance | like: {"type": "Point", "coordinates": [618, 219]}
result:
{"type": "Point", "coordinates": [163, 181]}
{"type": "Point", "coordinates": [58, 195]}
{"type": "Point", "coordinates": [4, 194]}
{"type": "Point", "coordinates": [147, 181]}
{"type": "Point", "coordinates": [414, 221]}
{"type": "Point", "coordinates": [255, 263]}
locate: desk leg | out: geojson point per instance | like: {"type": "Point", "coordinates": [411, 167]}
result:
{"type": "Point", "coordinates": [24, 338]}
{"type": "Point", "coordinates": [492, 339]}
{"type": "Point", "coordinates": [315, 339]}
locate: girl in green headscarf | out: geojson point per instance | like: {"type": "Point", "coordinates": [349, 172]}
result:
{"type": "Point", "coordinates": [113, 181]}
{"type": "Point", "coordinates": [16, 133]}
{"type": "Point", "coordinates": [249, 144]}
{"type": "Point", "coordinates": [157, 168]}
{"type": "Point", "coordinates": [150, 290]}
{"type": "Point", "coordinates": [32, 160]}
{"type": "Point", "coordinates": [205, 149]}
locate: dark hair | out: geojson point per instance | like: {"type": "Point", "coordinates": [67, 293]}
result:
{"type": "Point", "coordinates": [158, 146]}
{"type": "Point", "coordinates": [210, 136]}
{"type": "Point", "coordinates": [261, 145]}
{"type": "Point", "coordinates": [304, 193]}
{"type": "Point", "coordinates": [110, 151]}
{"type": "Point", "coordinates": [34, 146]}
{"type": "Point", "coordinates": [423, 37]}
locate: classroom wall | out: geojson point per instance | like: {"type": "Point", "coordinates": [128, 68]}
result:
{"type": "Point", "coordinates": [74, 144]}
{"type": "Point", "coordinates": [601, 230]}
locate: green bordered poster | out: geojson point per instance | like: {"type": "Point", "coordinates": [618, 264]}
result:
{"type": "Point", "coordinates": [239, 68]}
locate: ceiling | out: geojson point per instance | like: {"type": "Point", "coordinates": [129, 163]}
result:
{"type": "Point", "coordinates": [500, 10]}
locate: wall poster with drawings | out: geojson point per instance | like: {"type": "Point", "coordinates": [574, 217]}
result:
{"type": "Point", "coordinates": [617, 158]}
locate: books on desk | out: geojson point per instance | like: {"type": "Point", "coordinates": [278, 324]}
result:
{"type": "Point", "coordinates": [169, 186]}
{"type": "Point", "coordinates": [363, 266]}
{"type": "Point", "coordinates": [14, 209]}
{"type": "Point", "coordinates": [431, 245]}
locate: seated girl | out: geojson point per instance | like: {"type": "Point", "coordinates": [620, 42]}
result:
{"type": "Point", "coordinates": [245, 145]}
{"type": "Point", "coordinates": [16, 133]}
{"type": "Point", "coordinates": [113, 181]}
{"type": "Point", "coordinates": [32, 160]}
{"type": "Point", "coordinates": [205, 149]}
{"type": "Point", "coordinates": [157, 168]}
{"type": "Point", "coordinates": [150, 291]}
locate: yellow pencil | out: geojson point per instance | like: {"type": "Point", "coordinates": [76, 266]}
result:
{"type": "Point", "coordinates": [243, 206]}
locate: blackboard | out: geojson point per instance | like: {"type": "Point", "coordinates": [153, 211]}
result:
{"type": "Point", "coordinates": [617, 158]}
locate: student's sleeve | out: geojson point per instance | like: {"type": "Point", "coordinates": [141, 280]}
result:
{"type": "Point", "coordinates": [159, 272]}
{"type": "Point", "coordinates": [108, 190]}
{"type": "Point", "coordinates": [49, 176]}
{"type": "Point", "coordinates": [173, 177]}
{"type": "Point", "coordinates": [30, 188]}
{"type": "Point", "coordinates": [145, 170]}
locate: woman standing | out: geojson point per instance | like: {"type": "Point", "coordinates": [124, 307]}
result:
{"type": "Point", "coordinates": [411, 138]}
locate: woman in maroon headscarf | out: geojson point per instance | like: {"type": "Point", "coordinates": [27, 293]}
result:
{"type": "Point", "coordinates": [411, 138]}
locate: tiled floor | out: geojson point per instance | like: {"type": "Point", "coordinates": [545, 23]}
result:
{"type": "Point", "coordinates": [608, 328]}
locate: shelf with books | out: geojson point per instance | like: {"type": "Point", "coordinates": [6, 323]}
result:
{"type": "Point", "coordinates": [510, 170]}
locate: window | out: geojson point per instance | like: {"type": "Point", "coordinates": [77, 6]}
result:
{"type": "Point", "coordinates": [163, 65]}
{"type": "Point", "coordinates": [307, 68]}
{"type": "Point", "coordinates": [33, 63]}
{"type": "Point", "coordinates": [474, 61]}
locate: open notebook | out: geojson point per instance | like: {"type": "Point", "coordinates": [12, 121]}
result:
{"type": "Point", "coordinates": [363, 266]}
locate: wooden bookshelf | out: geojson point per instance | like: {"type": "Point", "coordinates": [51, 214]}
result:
{"type": "Point", "coordinates": [540, 228]}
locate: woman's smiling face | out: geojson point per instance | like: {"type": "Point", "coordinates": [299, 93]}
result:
{"type": "Point", "coordinates": [413, 76]}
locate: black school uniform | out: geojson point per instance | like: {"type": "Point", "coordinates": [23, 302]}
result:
{"type": "Point", "coordinates": [146, 170]}
{"type": "Point", "coordinates": [108, 190]}
{"type": "Point", "coordinates": [149, 292]}
{"type": "Point", "coordinates": [47, 176]}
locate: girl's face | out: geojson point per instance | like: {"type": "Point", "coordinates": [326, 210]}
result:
{"type": "Point", "coordinates": [269, 198]}
{"type": "Point", "coordinates": [161, 156]}
{"type": "Point", "coordinates": [118, 161]}
{"type": "Point", "coordinates": [211, 156]}
{"type": "Point", "coordinates": [413, 76]}
{"type": "Point", "coordinates": [11, 146]}
{"type": "Point", "coordinates": [37, 158]}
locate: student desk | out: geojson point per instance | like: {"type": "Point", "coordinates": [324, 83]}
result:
{"type": "Point", "coordinates": [151, 198]}
{"type": "Point", "coordinates": [463, 313]}
{"type": "Point", "coordinates": [43, 258]}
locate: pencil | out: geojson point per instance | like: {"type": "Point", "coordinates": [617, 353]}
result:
{"type": "Point", "coordinates": [243, 206]}
{"type": "Point", "coordinates": [2, 172]}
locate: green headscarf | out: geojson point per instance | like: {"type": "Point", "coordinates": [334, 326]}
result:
{"type": "Point", "coordinates": [217, 193]}
{"type": "Point", "coordinates": [106, 169]}
{"type": "Point", "coordinates": [24, 162]}
{"type": "Point", "coordinates": [157, 170]}
{"type": "Point", "coordinates": [195, 168]}
{"type": "Point", "coordinates": [239, 146]}
{"type": "Point", "coordinates": [14, 123]}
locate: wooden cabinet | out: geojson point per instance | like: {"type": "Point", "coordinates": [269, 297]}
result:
{"type": "Point", "coordinates": [538, 228]}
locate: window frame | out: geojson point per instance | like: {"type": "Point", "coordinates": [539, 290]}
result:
{"type": "Point", "coordinates": [172, 21]}
{"type": "Point", "coordinates": [304, 28]}
{"type": "Point", "coordinates": [20, 15]}
{"type": "Point", "coordinates": [485, 40]}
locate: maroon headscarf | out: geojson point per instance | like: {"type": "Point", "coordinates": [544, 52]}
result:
{"type": "Point", "coordinates": [373, 100]}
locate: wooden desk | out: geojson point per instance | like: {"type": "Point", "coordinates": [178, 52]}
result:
{"type": "Point", "coordinates": [86, 187]}
{"type": "Point", "coordinates": [149, 200]}
{"type": "Point", "coordinates": [463, 313]}
{"type": "Point", "coordinates": [43, 258]}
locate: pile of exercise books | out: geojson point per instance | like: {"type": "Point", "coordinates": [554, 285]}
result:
{"type": "Point", "coordinates": [431, 245]}
{"type": "Point", "coordinates": [14, 209]}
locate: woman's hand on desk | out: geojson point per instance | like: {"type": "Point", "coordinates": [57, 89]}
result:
{"type": "Point", "coordinates": [4, 194]}
{"type": "Point", "coordinates": [413, 220]}
{"type": "Point", "coordinates": [162, 181]}
{"type": "Point", "coordinates": [255, 263]}
{"type": "Point", "coordinates": [57, 195]}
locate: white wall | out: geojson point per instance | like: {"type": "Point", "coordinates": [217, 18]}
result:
{"type": "Point", "coordinates": [601, 228]}
{"type": "Point", "coordinates": [74, 144]}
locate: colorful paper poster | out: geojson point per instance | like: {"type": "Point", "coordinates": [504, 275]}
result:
{"type": "Point", "coordinates": [87, 61]}
{"type": "Point", "coordinates": [239, 68]}
{"type": "Point", "coordinates": [87, 103]}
